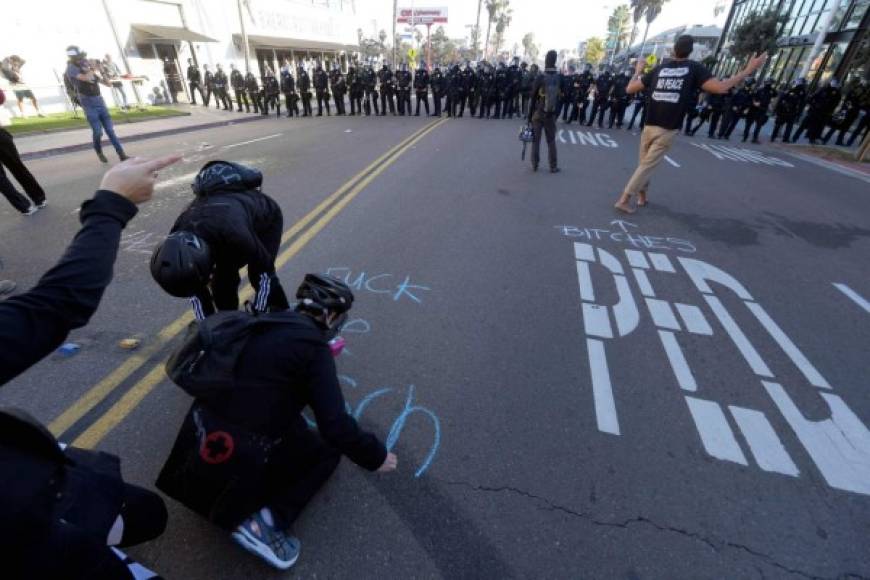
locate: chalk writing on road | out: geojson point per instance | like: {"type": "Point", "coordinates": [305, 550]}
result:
{"type": "Point", "coordinates": [739, 154]}
{"type": "Point", "coordinates": [623, 232]}
{"type": "Point", "coordinates": [587, 138]}
{"type": "Point", "coordinates": [140, 242]}
{"type": "Point", "coordinates": [838, 446]}
{"type": "Point", "coordinates": [394, 286]}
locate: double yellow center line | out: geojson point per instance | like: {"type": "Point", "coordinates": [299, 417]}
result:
{"type": "Point", "coordinates": [300, 233]}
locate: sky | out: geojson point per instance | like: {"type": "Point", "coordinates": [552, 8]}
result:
{"type": "Point", "coordinates": [556, 24]}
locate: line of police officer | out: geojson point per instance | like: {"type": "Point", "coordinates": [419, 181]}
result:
{"type": "Point", "coordinates": [503, 91]}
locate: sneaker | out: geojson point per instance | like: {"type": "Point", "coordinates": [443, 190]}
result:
{"type": "Point", "coordinates": [42, 205]}
{"type": "Point", "coordinates": [6, 286]}
{"type": "Point", "coordinates": [31, 210]}
{"type": "Point", "coordinates": [123, 156]}
{"type": "Point", "coordinates": [102, 158]}
{"type": "Point", "coordinates": [278, 548]}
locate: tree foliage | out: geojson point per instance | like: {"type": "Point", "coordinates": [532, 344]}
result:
{"type": "Point", "coordinates": [530, 49]}
{"type": "Point", "coordinates": [594, 50]}
{"type": "Point", "coordinates": [502, 21]}
{"type": "Point", "coordinates": [371, 47]}
{"type": "Point", "coordinates": [619, 27]}
{"type": "Point", "coordinates": [756, 34]}
{"type": "Point", "coordinates": [444, 50]}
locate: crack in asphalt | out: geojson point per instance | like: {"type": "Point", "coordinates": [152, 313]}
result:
{"type": "Point", "coordinates": [716, 546]}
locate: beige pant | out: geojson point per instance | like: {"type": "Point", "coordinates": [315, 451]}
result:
{"type": "Point", "coordinates": [654, 144]}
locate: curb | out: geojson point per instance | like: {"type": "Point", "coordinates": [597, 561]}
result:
{"type": "Point", "coordinates": [114, 121]}
{"type": "Point", "coordinates": [831, 165]}
{"type": "Point", "coordinates": [139, 137]}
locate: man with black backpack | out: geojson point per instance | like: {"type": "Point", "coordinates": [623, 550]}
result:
{"type": "Point", "coordinates": [230, 224]}
{"type": "Point", "coordinates": [245, 457]}
{"type": "Point", "coordinates": [545, 105]}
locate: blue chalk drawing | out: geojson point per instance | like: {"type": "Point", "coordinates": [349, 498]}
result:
{"type": "Point", "coordinates": [399, 424]}
{"type": "Point", "coordinates": [366, 400]}
{"type": "Point", "coordinates": [356, 326]}
{"type": "Point", "coordinates": [349, 381]}
{"type": "Point", "coordinates": [364, 281]}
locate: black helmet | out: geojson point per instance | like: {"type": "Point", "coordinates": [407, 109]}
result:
{"type": "Point", "coordinates": [322, 293]}
{"type": "Point", "coordinates": [227, 177]}
{"type": "Point", "coordinates": [181, 264]}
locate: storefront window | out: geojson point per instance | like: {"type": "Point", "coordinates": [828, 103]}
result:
{"type": "Point", "coordinates": [858, 12]}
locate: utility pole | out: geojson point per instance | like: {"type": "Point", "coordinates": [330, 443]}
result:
{"type": "Point", "coordinates": [477, 32]}
{"type": "Point", "coordinates": [395, 15]}
{"type": "Point", "coordinates": [244, 37]}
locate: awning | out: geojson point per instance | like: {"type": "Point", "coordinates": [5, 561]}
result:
{"type": "Point", "coordinates": [257, 40]}
{"type": "Point", "coordinates": [148, 32]}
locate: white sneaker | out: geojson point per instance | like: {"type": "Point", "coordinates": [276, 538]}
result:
{"type": "Point", "coordinates": [42, 205]}
{"type": "Point", "coordinates": [276, 547]}
{"type": "Point", "coordinates": [31, 210]}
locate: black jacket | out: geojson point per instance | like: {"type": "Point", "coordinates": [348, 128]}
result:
{"type": "Point", "coordinates": [302, 371]}
{"type": "Point", "coordinates": [57, 506]}
{"type": "Point", "coordinates": [537, 103]}
{"type": "Point", "coordinates": [237, 80]}
{"type": "Point", "coordinates": [193, 75]}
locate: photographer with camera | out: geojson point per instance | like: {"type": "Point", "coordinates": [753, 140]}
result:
{"type": "Point", "coordinates": [85, 78]}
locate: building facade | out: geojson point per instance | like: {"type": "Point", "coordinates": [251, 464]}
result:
{"type": "Point", "coordinates": [843, 52]}
{"type": "Point", "coordinates": [141, 36]}
{"type": "Point", "coordinates": [662, 44]}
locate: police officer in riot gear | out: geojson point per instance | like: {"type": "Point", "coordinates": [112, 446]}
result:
{"type": "Point", "coordinates": [237, 80]}
{"type": "Point", "coordinates": [220, 88]}
{"type": "Point", "coordinates": [252, 87]}
{"type": "Point", "coordinates": [566, 82]}
{"type": "Point", "coordinates": [439, 87]}
{"type": "Point", "coordinates": [388, 89]}
{"type": "Point", "coordinates": [526, 80]}
{"type": "Point", "coordinates": [788, 109]}
{"type": "Point", "coordinates": [370, 84]}
{"type": "Point", "coordinates": [603, 85]}
{"type": "Point", "coordinates": [758, 110]}
{"type": "Point", "coordinates": [288, 87]}
{"type": "Point", "coordinates": [321, 89]}
{"type": "Point", "coordinates": [403, 89]}
{"type": "Point", "coordinates": [194, 79]}
{"type": "Point", "coordinates": [618, 100]}
{"type": "Point", "coordinates": [355, 82]}
{"type": "Point", "coordinates": [209, 87]}
{"type": "Point", "coordinates": [304, 82]}
{"type": "Point", "coordinates": [737, 109]}
{"type": "Point", "coordinates": [421, 87]}
{"type": "Point", "coordinates": [339, 90]}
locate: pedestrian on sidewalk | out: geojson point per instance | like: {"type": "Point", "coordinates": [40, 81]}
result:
{"type": "Point", "coordinates": [113, 74]}
{"type": "Point", "coordinates": [673, 84]}
{"type": "Point", "coordinates": [86, 81]}
{"type": "Point", "coordinates": [11, 69]}
{"type": "Point", "coordinates": [543, 110]}
{"type": "Point", "coordinates": [194, 79]}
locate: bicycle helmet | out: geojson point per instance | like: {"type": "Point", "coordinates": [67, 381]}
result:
{"type": "Point", "coordinates": [181, 264]}
{"type": "Point", "coordinates": [225, 176]}
{"type": "Point", "coordinates": [321, 294]}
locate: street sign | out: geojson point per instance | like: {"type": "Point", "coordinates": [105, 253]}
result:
{"type": "Point", "coordinates": [412, 54]}
{"type": "Point", "coordinates": [416, 15]}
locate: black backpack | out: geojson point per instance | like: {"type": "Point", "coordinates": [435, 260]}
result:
{"type": "Point", "coordinates": [204, 364]}
{"type": "Point", "coordinates": [550, 91]}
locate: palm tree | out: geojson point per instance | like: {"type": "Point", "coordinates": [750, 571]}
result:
{"type": "Point", "coordinates": [617, 26]}
{"type": "Point", "coordinates": [651, 9]}
{"type": "Point", "coordinates": [492, 7]}
{"type": "Point", "coordinates": [476, 44]}
{"type": "Point", "coordinates": [502, 22]}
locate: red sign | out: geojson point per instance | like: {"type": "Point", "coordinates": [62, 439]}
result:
{"type": "Point", "coordinates": [422, 15]}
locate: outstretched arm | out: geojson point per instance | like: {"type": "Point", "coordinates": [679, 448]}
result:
{"type": "Point", "coordinates": [716, 86]}
{"type": "Point", "coordinates": [33, 324]}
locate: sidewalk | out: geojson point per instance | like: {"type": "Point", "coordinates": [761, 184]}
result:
{"type": "Point", "coordinates": [46, 145]}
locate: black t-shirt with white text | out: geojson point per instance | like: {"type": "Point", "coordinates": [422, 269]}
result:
{"type": "Point", "coordinates": [672, 85]}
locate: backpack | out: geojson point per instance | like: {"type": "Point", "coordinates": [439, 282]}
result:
{"type": "Point", "coordinates": [204, 364]}
{"type": "Point", "coordinates": [550, 92]}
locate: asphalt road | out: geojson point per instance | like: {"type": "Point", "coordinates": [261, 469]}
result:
{"type": "Point", "coordinates": [694, 407]}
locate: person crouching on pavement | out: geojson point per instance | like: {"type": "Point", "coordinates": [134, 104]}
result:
{"type": "Point", "coordinates": [231, 224]}
{"type": "Point", "coordinates": [245, 456]}
{"type": "Point", "coordinates": [85, 78]}
{"type": "Point", "coordinates": [673, 84]}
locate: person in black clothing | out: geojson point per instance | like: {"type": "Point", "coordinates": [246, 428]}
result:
{"type": "Point", "coordinates": [618, 100]}
{"type": "Point", "coordinates": [209, 88]}
{"type": "Point", "coordinates": [11, 160]}
{"type": "Point", "coordinates": [462, 82]}
{"type": "Point", "coordinates": [387, 86]}
{"type": "Point", "coordinates": [439, 87]}
{"type": "Point", "coordinates": [355, 82]}
{"type": "Point", "coordinates": [237, 80]}
{"type": "Point", "coordinates": [290, 361]}
{"type": "Point", "coordinates": [338, 86]}
{"type": "Point", "coordinates": [238, 225]}
{"type": "Point", "coordinates": [849, 112]}
{"type": "Point", "coordinates": [450, 81]}
{"type": "Point", "coordinates": [544, 110]}
{"type": "Point", "coordinates": [788, 109]}
{"type": "Point", "coordinates": [474, 89]}
{"type": "Point", "coordinates": [252, 88]}
{"type": "Point", "coordinates": [304, 90]}
{"type": "Point", "coordinates": [370, 86]}
{"type": "Point", "coordinates": [526, 81]}
{"type": "Point", "coordinates": [863, 126]}
{"type": "Point", "coordinates": [403, 89]}
{"type": "Point", "coordinates": [640, 99]}
{"type": "Point", "coordinates": [421, 88]}
{"type": "Point", "coordinates": [738, 108]}
{"type": "Point", "coordinates": [513, 88]}
{"type": "Point", "coordinates": [321, 89]}
{"type": "Point", "coordinates": [62, 508]}
{"type": "Point", "coordinates": [288, 87]}
{"type": "Point", "coordinates": [271, 93]}
{"type": "Point", "coordinates": [501, 88]}
{"type": "Point", "coordinates": [692, 113]}
{"type": "Point", "coordinates": [714, 106]}
{"type": "Point", "coordinates": [566, 84]}
{"type": "Point", "coordinates": [758, 110]}
{"type": "Point", "coordinates": [603, 86]}
{"type": "Point", "coordinates": [822, 105]}
{"type": "Point", "coordinates": [194, 80]}
{"type": "Point", "coordinates": [220, 88]}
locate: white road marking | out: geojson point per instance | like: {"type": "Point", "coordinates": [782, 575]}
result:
{"type": "Point", "coordinates": [662, 314]}
{"type": "Point", "coordinates": [701, 272]}
{"type": "Point", "coordinates": [671, 161]}
{"type": "Point", "coordinates": [716, 434]}
{"type": "Point", "coordinates": [636, 259]}
{"type": "Point", "coordinates": [587, 292]}
{"type": "Point", "coordinates": [678, 361]}
{"type": "Point", "coordinates": [854, 296]}
{"type": "Point", "coordinates": [610, 262]}
{"type": "Point", "coordinates": [584, 252]}
{"type": "Point", "coordinates": [602, 391]}
{"type": "Point", "coordinates": [839, 446]}
{"type": "Point", "coordinates": [763, 441]}
{"type": "Point", "coordinates": [662, 263]}
{"type": "Point", "coordinates": [625, 311]}
{"type": "Point", "coordinates": [596, 322]}
{"type": "Point", "coordinates": [252, 141]}
{"type": "Point", "coordinates": [740, 341]}
{"type": "Point", "coordinates": [785, 343]}
{"type": "Point", "coordinates": [643, 282]}
{"type": "Point", "coordinates": [694, 319]}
